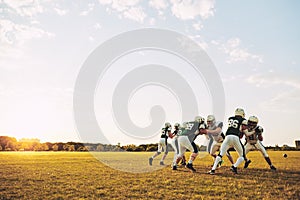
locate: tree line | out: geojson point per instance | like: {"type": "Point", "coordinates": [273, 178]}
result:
{"type": "Point", "coordinates": [12, 144]}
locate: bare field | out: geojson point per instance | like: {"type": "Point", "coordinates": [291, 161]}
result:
{"type": "Point", "coordinates": [74, 175]}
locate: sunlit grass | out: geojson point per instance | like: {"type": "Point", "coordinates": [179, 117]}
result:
{"type": "Point", "coordinates": [74, 175]}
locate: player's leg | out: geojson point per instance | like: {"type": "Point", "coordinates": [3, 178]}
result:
{"type": "Point", "coordinates": [159, 150]}
{"type": "Point", "coordinates": [229, 157]}
{"type": "Point", "coordinates": [247, 147]}
{"type": "Point", "coordinates": [239, 147]}
{"type": "Point", "coordinates": [166, 151]}
{"type": "Point", "coordinates": [224, 147]}
{"type": "Point", "coordinates": [214, 148]}
{"type": "Point", "coordinates": [262, 149]}
{"type": "Point", "coordinates": [194, 152]}
{"type": "Point", "coordinates": [181, 150]}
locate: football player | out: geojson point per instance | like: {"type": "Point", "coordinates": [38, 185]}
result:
{"type": "Point", "coordinates": [253, 135]}
{"type": "Point", "coordinates": [186, 137]}
{"type": "Point", "coordinates": [214, 131]}
{"type": "Point", "coordinates": [162, 143]}
{"type": "Point", "coordinates": [232, 139]}
{"type": "Point", "coordinates": [174, 142]}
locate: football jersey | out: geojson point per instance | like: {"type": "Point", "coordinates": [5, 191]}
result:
{"type": "Point", "coordinates": [234, 124]}
{"type": "Point", "coordinates": [164, 132]}
{"type": "Point", "coordinates": [218, 136]}
{"type": "Point", "coordinates": [252, 138]}
{"type": "Point", "coordinates": [190, 130]}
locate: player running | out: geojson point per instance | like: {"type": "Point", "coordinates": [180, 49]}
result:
{"type": "Point", "coordinates": [214, 131]}
{"type": "Point", "coordinates": [186, 137]}
{"type": "Point", "coordinates": [162, 144]}
{"type": "Point", "coordinates": [174, 142]}
{"type": "Point", "coordinates": [253, 135]}
{"type": "Point", "coordinates": [232, 139]}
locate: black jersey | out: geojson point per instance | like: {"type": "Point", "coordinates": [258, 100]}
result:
{"type": "Point", "coordinates": [175, 132]}
{"type": "Point", "coordinates": [164, 132]}
{"type": "Point", "coordinates": [234, 124]}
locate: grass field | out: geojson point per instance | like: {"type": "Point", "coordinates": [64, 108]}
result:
{"type": "Point", "coordinates": [74, 175]}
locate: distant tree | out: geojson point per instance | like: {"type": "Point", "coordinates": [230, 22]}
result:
{"type": "Point", "coordinates": [82, 148]}
{"type": "Point", "coordinates": [100, 147]}
{"type": "Point", "coordinates": [71, 147]}
{"type": "Point", "coordinates": [55, 147]}
{"type": "Point", "coordinates": [8, 143]}
{"type": "Point", "coordinates": [152, 147]}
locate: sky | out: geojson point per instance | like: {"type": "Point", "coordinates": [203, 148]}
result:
{"type": "Point", "coordinates": [254, 46]}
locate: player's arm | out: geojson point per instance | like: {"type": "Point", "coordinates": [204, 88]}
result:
{"type": "Point", "coordinates": [170, 135]}
{"type": "Point", "coordinates": [248, 133]}
{"type": "Point", "coordinates": [214, 132]}
{"type": "Point", "coordinates": [259, 130]}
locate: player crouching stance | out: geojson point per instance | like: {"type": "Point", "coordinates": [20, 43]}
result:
{"type": "Point", "coordinates": [215, 132]}
{"type": "Point", "coordinates": [253, 135]}
{"type": "Point", "coordinates": [186, 137]}
{"type": "Point", "coordinates": [162, 144]}
{"type": "Point", "coordinates": [232, 139]}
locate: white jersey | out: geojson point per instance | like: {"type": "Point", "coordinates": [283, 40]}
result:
{"type": "Point", "coordinates": [218, 137]}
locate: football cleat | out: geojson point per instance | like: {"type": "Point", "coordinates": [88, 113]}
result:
{"type": "Point", "coordinates": [273, 168]}
{"type": "Point", "coordinates": [150, 161]}
{"type": "Point", "coordinates": [161, 163]}
{"type": "Point", "coordinates": [190, 167]}
{"type": "Point", "coordinates": [247, 164]}
{"type": "Point", "coordinates": [211, 172]}
{"type": "Point", "coordinates": [233, 169]}
{"type": "Point", "coordinates": [174, 167]}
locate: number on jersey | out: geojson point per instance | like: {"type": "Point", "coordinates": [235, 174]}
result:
{"type": "Point", "coordinates": [233, 123]}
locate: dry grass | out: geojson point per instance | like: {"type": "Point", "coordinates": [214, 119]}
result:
{"type": "Point", "coordinates": [62, 175]}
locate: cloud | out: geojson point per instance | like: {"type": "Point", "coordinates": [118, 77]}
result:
{"type": "Point", "coordinates": [272, 80]}
{"type": "Point", "coordinates": [286, 99]}
{"type": "Point", "coordinates": [90, 9]}
{"type": "Point", "coordinates": [24, 8]}
{"type": "Point", "coordinates": [60, 12]}
{"type": "Point", "coordinates": [236, 53]}
{"type": "Point", "coordinates": [13, 36]}
{"type": "Point", "coordinates": [158, 4]}
{"type": "Point", "coordinates": [197, 26]}
{"type": "Point", "coordinates": [126, 9]}
{"type": "Point", "coordinates": [284, 102]}
{"type": "Point", "coordinates": [190, 9]}
{"type": "Point", "coordinates": [14, 33]}
{"type": "Point", "coordinates": [135, 14]}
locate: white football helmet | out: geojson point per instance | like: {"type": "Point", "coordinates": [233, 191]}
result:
{"type": "Point", "coordinates": [167, 124]}
{"type": "Point", "coordinates": [245, 122]}
{"type": "Point", "coordinates": [211, 119]}
{"type": "Point", "coordinates": [177, 125]}
{"type": "Point", "coordinates": [252, 122]}
{"type": "Point", "coordinates": [199, 119]}
{"type": "Point", "coordinates": [184, 125]}
{"type": "Point", "coordinates": [239, 112]}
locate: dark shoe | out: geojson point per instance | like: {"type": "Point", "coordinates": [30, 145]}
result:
{"type": "Point", "coordinates": [211, 172]}
{"type": "Point", "coordinates": [233, 169]}
{"type": "Point", "coordinates": [220, 163]}
{"type": "Point", "coordinates": [190, 167]}
{"type": "Point", "coordinates": [174, 167]}
{"type": "Point", "coordinates": [161, 163]}
{"type": "Point", "coordinates": [150, 161]}
{"type": "Point", "coordinates": [273, 168]}
{"type": "Point", "coordinates": [247, 163]}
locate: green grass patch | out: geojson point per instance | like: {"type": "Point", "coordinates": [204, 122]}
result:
{"type": "Point", "coordinates": [79, 175]}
